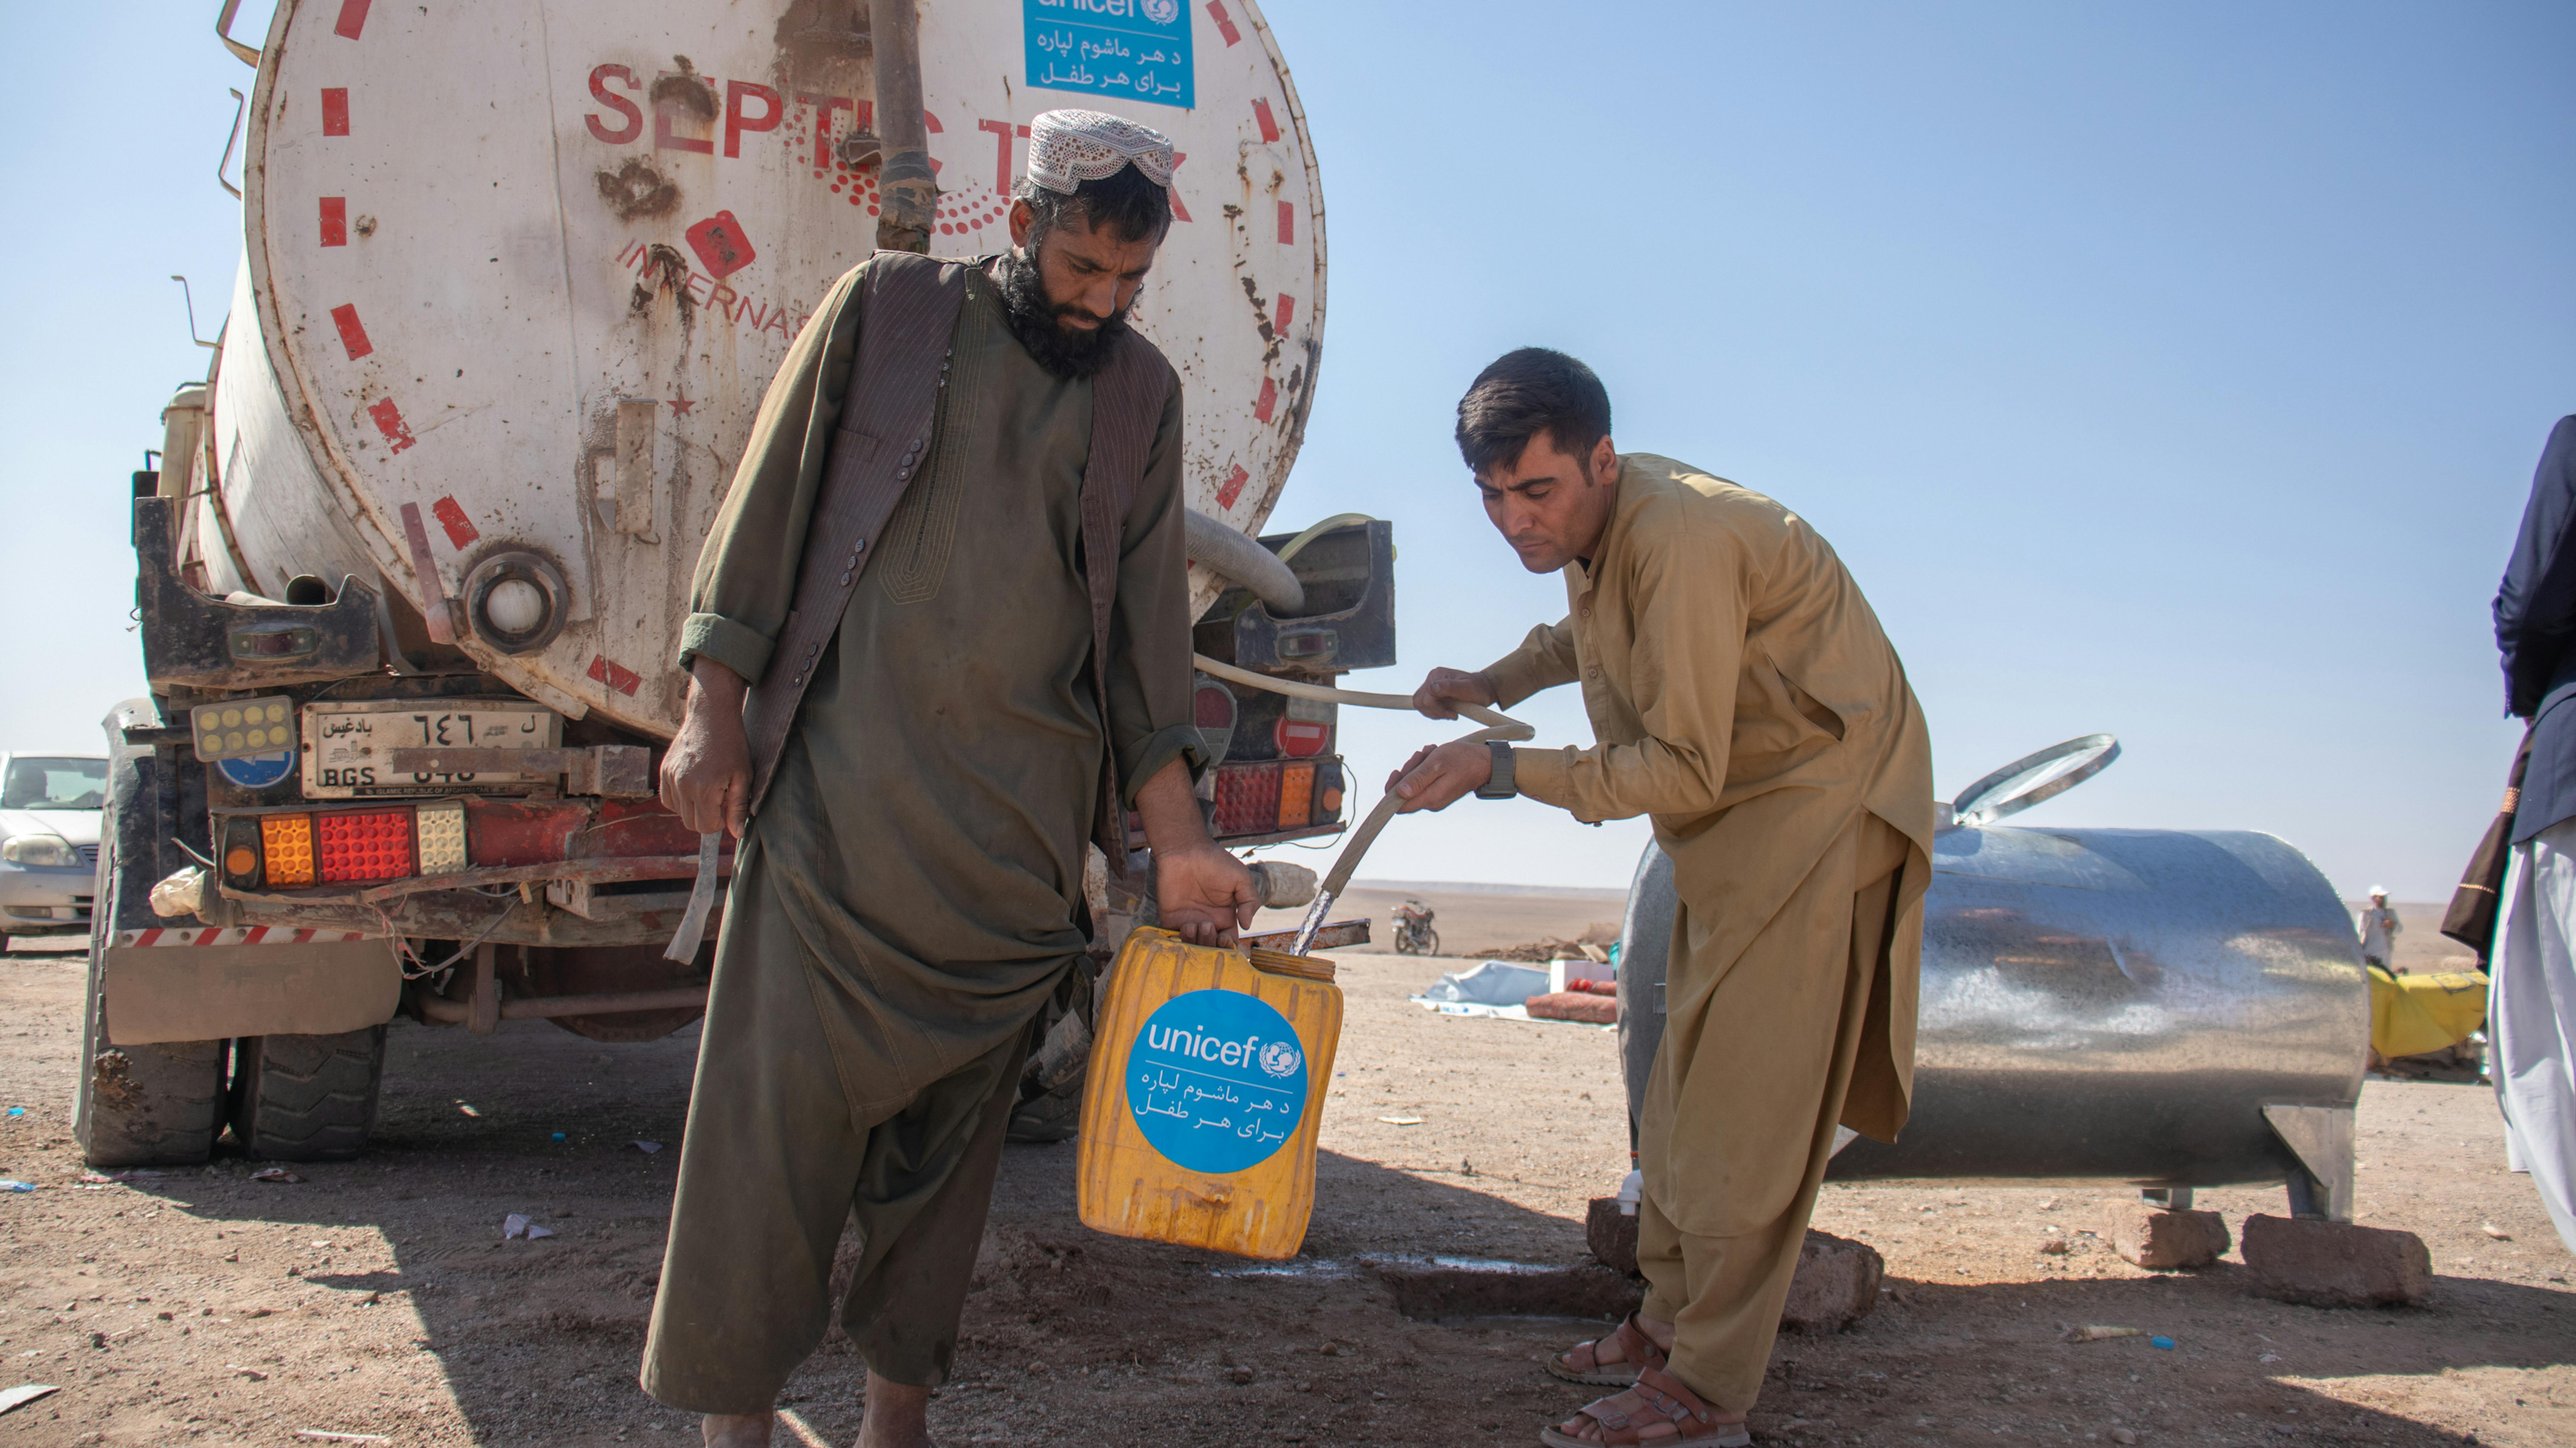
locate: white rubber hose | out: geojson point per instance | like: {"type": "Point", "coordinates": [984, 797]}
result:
{"type": "Point", "coordinates": [1217, 545]}
{"type": "Point", "coordinates": [1298, 544]}
{"type": "Point", "coordinates": [1497, 726]}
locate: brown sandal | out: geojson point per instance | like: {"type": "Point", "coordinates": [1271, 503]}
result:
{"type": "Point", "coordinates": [1635, 1350]}
{"type": "Point", "coordinates": [1658, 1400]}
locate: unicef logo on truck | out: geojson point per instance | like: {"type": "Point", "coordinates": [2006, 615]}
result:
{"type": "Point", "coordinates": [1217, 1081]}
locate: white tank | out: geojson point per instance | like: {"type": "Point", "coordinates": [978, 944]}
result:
{"type": "Point", "coordinates": [527, 266]}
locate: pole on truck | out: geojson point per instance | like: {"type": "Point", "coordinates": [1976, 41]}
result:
{"type": "Point", "coordinates": [907, 192]}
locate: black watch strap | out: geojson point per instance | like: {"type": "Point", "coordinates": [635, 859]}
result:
{"type": "Point", "coordinates": [1500, 785]}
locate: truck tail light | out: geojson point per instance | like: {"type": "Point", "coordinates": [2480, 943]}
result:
{"type": "Point", "coordinates": [359, 845]}
{"type": "Point", "coordinates": [241, 852]}
{"type": "Point", "coordinates": [441, 829]}
{"type": "Point", "coordinates": [286, 845]}
{"type": "Point", "coordinates": [1296, 796]}
{"type": "Point", "coordinates": [1278, 796]}
{"type": "Point", "coordinates": [1247, 799]}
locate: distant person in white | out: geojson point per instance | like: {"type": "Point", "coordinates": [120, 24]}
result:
{"type": "Point", "coordinates": [2531, 1005]}
{"type": "Point", "coordinates": [2379, 929]}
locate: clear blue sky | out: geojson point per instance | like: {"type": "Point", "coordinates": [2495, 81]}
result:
{"type": "Point", "coordinates": [2176, 371]}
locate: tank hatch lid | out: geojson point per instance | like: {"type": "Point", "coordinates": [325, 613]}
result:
{"type": "Point", "coordinates": [2034, 778]}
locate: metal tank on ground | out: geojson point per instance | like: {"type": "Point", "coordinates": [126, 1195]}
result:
{"type": "Point", "coordinates": [2167, 1008]}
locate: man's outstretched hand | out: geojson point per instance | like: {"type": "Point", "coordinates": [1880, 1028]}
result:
{"type": "Point", "coordinates": [706, 773]}
{"type": "Point", "coordinates": [1443, 690]}
{"type": "Point", "coordinates": [1203, 893]}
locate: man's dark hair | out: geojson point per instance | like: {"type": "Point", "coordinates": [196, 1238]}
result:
{"type": "Point", "coordinates": [1125, 201]}
{"type": "Point", "coordinates": [1523, 394]}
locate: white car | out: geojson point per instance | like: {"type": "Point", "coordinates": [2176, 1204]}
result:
{"type": "Point", "coordinates": [49, 814]}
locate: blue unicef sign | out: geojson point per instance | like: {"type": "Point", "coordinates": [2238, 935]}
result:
{"type": "Point", "coordinates": [1217, 1080]}
{"type": "Point", "coordinates": [1136, 50]}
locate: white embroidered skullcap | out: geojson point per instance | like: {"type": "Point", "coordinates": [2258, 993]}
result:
{"type": "Point", "coordinates": [1067, 148]}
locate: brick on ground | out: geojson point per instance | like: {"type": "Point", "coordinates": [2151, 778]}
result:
{"type": "Point", "coordinates": [2335, 1264]}
{"type": "Point", "coordinates": [2154, 1237]}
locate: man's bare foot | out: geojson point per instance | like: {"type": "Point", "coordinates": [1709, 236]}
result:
{"type": "Point", "coordinates": [737, 1430]}
{"type": "Point", "coordinates": [898, 1416]}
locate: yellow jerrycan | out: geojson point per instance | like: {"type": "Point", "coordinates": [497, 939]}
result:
{"type": "Point", "coordinates": [1207, 1087]}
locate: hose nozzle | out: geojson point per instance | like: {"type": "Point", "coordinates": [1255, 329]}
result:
{"type": "Point", "coordinates": [1314, 921]}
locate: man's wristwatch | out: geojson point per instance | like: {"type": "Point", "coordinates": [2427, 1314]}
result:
{"type": "Point", "coordinates": [1499, 785]}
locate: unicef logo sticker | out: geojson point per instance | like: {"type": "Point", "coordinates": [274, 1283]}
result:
{"type": "Point", "coordinates": [1162, 12]}
{"type": "Point", "coordinates": [1216, 1081]}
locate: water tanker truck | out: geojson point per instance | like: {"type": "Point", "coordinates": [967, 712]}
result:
{"type": "Point", "coordinates": [413, 564]}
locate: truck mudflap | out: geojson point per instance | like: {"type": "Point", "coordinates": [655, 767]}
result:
{"type": "Point", "coordinates": [170, 988]}
{"type": "Point", "coordinates": [195, 640]}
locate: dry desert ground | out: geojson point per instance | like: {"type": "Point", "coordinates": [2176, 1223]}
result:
{"type": "Point", "coordinates": [377, 1297]}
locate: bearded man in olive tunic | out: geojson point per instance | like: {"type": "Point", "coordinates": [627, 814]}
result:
{"type": "Point", "coordinates": [909, 892]}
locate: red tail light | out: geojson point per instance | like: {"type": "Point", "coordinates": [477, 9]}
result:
{"type": "Point", "coordinates": [1247, 799]}
{"type": "Point", "coordinates": [362, 845]}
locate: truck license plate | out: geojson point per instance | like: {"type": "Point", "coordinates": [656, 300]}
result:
{"type": "Point", "coordinates": [348, 746]}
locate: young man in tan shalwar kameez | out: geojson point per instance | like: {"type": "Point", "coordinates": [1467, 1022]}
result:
{"type": "Point", "coordinates": [1744, 699]}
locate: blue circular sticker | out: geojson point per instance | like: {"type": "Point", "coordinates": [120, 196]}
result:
{"type": "Point", "coordinates": [258, 771]}
{"type": "Point", "coordinates": [1217, 1080]}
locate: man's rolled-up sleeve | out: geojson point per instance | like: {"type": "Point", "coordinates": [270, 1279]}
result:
{"type": "Point", "coordinates": [1150, 722]}
{"type": "Point", "coordinates": [1690, 650]}
{"type": "Point", "coordinates": [746, 575]}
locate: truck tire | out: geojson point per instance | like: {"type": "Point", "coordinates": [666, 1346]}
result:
{"type": "Point", "coordinates": [307, 1098]}
{"type": "Point", "coordinates": [140, 1105]}
{"type": "Point", "coordinates": [158, 1105]}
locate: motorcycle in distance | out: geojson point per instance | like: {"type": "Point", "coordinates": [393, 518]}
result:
{"type": "Point", "coordinates": [1413, 932]}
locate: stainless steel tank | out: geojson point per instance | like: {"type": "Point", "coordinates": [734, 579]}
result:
{"type": "Point", "coordinates": [2171, 1008]}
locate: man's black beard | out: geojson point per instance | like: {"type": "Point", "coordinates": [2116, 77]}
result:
{"type": "Point", "coordinates": [1068, 352]}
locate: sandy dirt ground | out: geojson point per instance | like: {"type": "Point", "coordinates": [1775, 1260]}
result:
{"type": "Point", "coordinates": [378, 1297]}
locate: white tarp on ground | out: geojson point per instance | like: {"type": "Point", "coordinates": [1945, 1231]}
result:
{"type": "Point", "coordinates": [1492, 983]}
{"type": "Point", "coordinates": [1498, 988]}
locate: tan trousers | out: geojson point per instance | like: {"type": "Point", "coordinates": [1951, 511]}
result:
{"type": "Point", "coordinates": [772, 1166]}
{"type": "Point", "coordinates": [1723, 1294]}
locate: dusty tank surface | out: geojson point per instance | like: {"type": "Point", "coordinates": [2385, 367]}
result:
{"type": "Point", "coordinates": [516, 275]}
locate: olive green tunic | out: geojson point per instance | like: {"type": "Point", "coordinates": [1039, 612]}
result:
{"type": "Point", "coordinates": [927, 825]}
{"type": "Point", "coordinates": [911, 890]}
